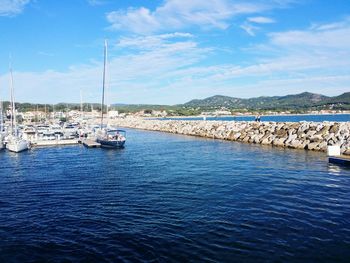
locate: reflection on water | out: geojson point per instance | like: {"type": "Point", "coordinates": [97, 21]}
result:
{"type": "Point", "coordinates": [337, 169]}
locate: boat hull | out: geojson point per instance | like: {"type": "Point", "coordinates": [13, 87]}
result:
{"type": "Point", "coordinates": [112, 144]}
{"type": "Point", "coordinates": [339, 160]}
{"type": "Point", "coordinates": [17, 146]}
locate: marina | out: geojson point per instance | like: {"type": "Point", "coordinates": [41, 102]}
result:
{"type": "Point", "coordinates": [175, 131]}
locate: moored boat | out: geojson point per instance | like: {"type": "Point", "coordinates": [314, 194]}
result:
{"type": "Point", "coordinates": [14, 141]}
{"type": "Point", "coordinates": [2, 145]}
{"type": "Point", "coordinates": [108, 138]}
{"type": "Point", "coordinates": [111, 138]}
{"type": "Point", "coordinates": [17, 144]}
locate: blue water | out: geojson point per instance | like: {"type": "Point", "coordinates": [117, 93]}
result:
{"type": "Point", "coordinates": [172, 198]}
{"type": "Point", "coordinates": [276, 118]}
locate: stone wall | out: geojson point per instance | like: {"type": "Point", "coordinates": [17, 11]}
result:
{"type": "Point", "coordinates": [300, 135]}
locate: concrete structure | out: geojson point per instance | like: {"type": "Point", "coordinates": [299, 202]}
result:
{"type": "Point", "coordinates": [299, 135]}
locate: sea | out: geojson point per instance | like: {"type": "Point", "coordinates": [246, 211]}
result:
{"type": "Point", "coordinates": [273, 118]}
{"type": "Point", "coordinates": [173, 198]}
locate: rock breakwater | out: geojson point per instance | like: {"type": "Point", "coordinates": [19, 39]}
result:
{"type": "Point", "coordinates": [300, 135]}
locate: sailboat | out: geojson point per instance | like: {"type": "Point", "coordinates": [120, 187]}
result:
{"type": "Point", "coordinates": [108, 138]}
{"type": "Point", "coordinates": [15, 143]}
{"type": "Point", "coordinates": [2, 134]}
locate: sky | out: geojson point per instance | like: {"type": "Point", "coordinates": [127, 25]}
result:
{"type": "Point", "coordinates": [172, 51]}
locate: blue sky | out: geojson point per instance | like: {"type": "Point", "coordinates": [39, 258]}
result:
{"type": "Point", "coordinates": [172, 51]}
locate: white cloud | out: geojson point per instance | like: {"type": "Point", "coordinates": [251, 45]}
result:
{"type": "Point", "coordinates": [12, 7]}
{"type": "Point", "coordinates": [137, 74]}
{"type": "Point", "coordinates": [151, 42]}
{"type": "Point", "coordinates": [179, 14]}
{"type": "Point", "coordinates": [261, 20]}
{"type": "Point", "coordinates": [250, 29]}
{"type": "Point", "coordinates": [335, 35]}
{"type": "Point", "coordinates": [136, 20]}
{"type": "Point", "coordinates": [168, 69]}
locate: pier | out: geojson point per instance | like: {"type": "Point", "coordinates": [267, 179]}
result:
{"type": "Point", "coordinates": [91, 143]}
{"type": "Point", "coordinates": [315, 136]}
{"type": "Point", "coordinates": [44, 143]}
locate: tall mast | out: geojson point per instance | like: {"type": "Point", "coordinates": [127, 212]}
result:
{"type": "Point", "coordinates": [13, 110]}
{"type": "Point", "coordinates": [1, 117]}
{"type": "Point", "coordinates": [81, 104]}
{"type": "Point", "coordinates": [104, 81]}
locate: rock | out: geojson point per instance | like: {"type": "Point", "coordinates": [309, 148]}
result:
{"type": "Point", "coordinates": [313, 146]}
{"type": "Point", "coordinates": [322, 146]}
{"type": "Point", "coordinates": [314, 136]}
{"type": "Point", "coordinates": [296, 144]}
{"type": "Point", "coordinates": [310, 133]}
{"type": "Point", "coordinates": [246, 138]}
{"type": "Point", "coordinates": [281, 133]}
{"type": "Point", "coordinates": [279, 142]}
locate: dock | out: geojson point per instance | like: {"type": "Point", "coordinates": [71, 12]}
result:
{"type": "Point", "coordinates": [341, 159]}
{"type": "Point", "coordinates": [43, 143]}
{"type": "Point", "coordinates": [91, 143]}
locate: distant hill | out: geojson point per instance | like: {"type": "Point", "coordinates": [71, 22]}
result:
{"type": "Point", "coordinates": [296, 103]}
{"type": "Point", "coordinates": [303, 100]}
{"type": "Point", "coordinates": [343, 98]}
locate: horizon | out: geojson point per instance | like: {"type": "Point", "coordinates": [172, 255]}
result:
{"type": "Point", "coordinates": [169, 52]}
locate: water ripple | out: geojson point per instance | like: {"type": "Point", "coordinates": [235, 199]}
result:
{"type": "Point", "coordinates": [170, 198]}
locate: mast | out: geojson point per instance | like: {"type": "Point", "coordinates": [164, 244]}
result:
{"type": "Point", "coordinates": [53, 112]}
{"type": "Point", "coordinates": [104, 82]}
{"type": "Point", "coordinates": [13, 110]}
{"type": "Point", "coordinates": [1, 117]}
{"type": "Point", "coordinates": [81, 104]}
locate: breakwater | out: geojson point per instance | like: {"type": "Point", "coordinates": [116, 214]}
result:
{"type": "Point", "coordinates": [301, 135]}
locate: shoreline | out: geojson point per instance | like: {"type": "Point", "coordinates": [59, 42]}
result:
{"type": "Point", "coordinates": [234, 116]}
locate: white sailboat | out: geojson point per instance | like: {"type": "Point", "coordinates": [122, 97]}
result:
{"type": "Point", "coordinates": [108, 138]}
{"type": "Point", "coordinates": [2, 133]}
{"type": "Point", "coordinates": [15, 143]}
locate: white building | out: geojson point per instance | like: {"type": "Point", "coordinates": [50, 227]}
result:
{"type": "Point", "coordinates": [113, 114]}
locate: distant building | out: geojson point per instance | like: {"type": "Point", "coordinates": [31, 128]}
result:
{"type": "Point", "coordinates": [159, 113]}
{"type": "Point", "coordinates": [222, 112]}
{"type": "Point", "coordinates": [58, 115]}
{"type": "Point", "coordinates": [74, 114]}
{"type": "Point", "coordinates": [113, 114]}
{"type": "Point", "coordinates": [33, 116]}
{"type": "Point", "coordinates": [216, 113]}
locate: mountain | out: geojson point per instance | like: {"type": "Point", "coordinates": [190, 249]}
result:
{"type": "Point", "coordinates": [341, 99]}
{"type": "Point", "coordinates": [298, 101]}
{"type": "Point", "coordinates": [214, 101]}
